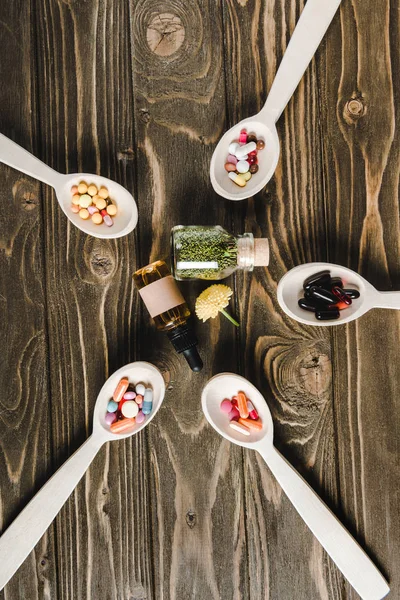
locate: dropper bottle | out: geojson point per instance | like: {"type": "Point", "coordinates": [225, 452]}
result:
{"type": "Point", "coordinates": [168, 309]}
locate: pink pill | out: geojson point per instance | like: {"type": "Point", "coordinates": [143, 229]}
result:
{"type": "Point", "coordinates": [234, 415]}
{"type": "Point", "coordinates": [108, 221]}
{"type": "Point", "coordinates": [139, 399]}
{"type": "Point", "coordinates": [92, 210]}
{"type": "Point", "coordinates": [110, 418]}
{"type": "Point", "coordinates": [74, 208]}
{"type": "Point", "coordinates": [232, 159]}
{"type": "Point", "coordinates": [129, 395]}
{"type": "Point", "coordinates": [226, 406]}
{"type": "Point", "coordinates": [140, 417]}
{"type": "Point", "coordinates": [243, 137]}
{"type": "Point", "coordinates": [74, 190]}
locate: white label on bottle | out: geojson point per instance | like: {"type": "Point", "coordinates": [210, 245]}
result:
{"type": "Point", "coordinates": [162, 295]}
{"type": "Point", "coordinates": [196, 265]}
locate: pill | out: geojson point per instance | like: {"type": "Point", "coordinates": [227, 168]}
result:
{"type": "Point", "coordinates": [85, 201]}
{"type": "Point", "coordinates": [226, 406]}
{"type": "Point", "coordinates": [240, 428]}
{"type": "Point", "coordinates": [74, 190]}
{"type": "Point", "coordinates": [316, 279]}
{"type": "Point", "coordinates": [82, 187]}
{"type": "Point", "coordinates": [336, 281]}
{"type": "Point", "coordinates": [311, 305]}
{"type": "Point", "coordinates": [253, 414]}
{"type": "Point", "coordinates": [242, 166]}
{"type": "Point", "coordinates": [327, 315]}
{"type": "Point", "coordinates": [339, 306]}
{"type": "Point", "coordinates": [230, 167]}
{"type": "Point", "coordinates": [74, 208]}
{"type": "Point", "coordinates": [253, 169]}
{"type": "Point", "coordinates": [339, 293]}
{"type": "Point", "coordinates": [83, 213]}
{"type": "Point", "coordinates": [255, 425]}
{"type": "Point", "coordinates": [234, 400]}
{"type": "Point", "coordinates": [232, 159]}
{"type": "Point", "coordinates": [110, 418]}
{"type": "Point", "coordinates": [129, 395]}
{"type": "Point", "coordinates": [100, 203]}
{"type": "Point", "coordinates": [129, 409]}
{"type": "Point", "coordinates": [243, 150]}
{"type": "Point", "coordinates": [96, 198]}
{"type": "Point", "coordinates": [233, 148]}
{"type": "Point", "coordinates": [97, 218]}
{"type": "Point", "coordinates": [112, 210]}
{"type": "Point", "coordinates": [354, 294]}
{"type": "Point", "coordinates": [147, 401]}
{"type": "Point", "coordinates": [246, 176]}
{"type": "Point", "coordinates": [122, 426]}
{"type": "Point", "coordinates": [92, 209]}
{"type": "Point", "coordinates": [103, 192]}
{"type": "Point", "coordinates": [112, 406]}
{"type": "Point", "coordinates": [254, 153]}
{"type": "Point", "coordinates": [140, 417]}
{"type": "Point", "coordinates": [321, 294]}
{"type": "Point", "coordinates": [108, 221]}
{"type": "Point", "coordinates": [242, 405]}
{"type": "Point", "coordinates": [237, 179]}
{"type": "Point", "coordinates": [121, 389]}
{"type": "Point", "coordinates": [92, 190]}
{"type": "Point", "coordinates": [252, 138]}
{"type": "Point", "coordinates": [75, 199]}
{"type": "Point", "coordinates": [260, 144]}
{"type": "Point", "coordinates": [140, 389]}
{"type": "Point", "coordinates": [234, 415]}
{"type": "Point", "coordinates": [252, 160]}
{"type": "Point", "coordinates": [139, 399]}
{"type": "Point", "coordinates": [243, 137]}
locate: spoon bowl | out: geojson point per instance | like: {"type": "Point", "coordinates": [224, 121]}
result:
{"type": "Point", "coordinates": [27, 529]}
{"type": "Point", "coordinates": [290, 290]}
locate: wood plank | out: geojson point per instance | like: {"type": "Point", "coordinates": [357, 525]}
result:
{"type": "Point", "coordinates": [362, 176]}
{"type": "Point", "coordinates": [25, 423]}
{"type": "Point", "coordinates": [197, 478]}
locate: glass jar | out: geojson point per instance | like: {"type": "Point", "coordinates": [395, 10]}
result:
{"type": "Point", "coordinates": [211, 253]}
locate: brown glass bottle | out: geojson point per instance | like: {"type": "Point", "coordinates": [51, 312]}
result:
{"type": "Point", "coordinates": [168, 309]}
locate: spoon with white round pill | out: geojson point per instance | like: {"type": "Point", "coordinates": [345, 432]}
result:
{"type": "Point", "coordinates": [27, 529]}
{"type": "Point", "coordinates": [311, 27]}
{"type": "Point", "coordinates": [349, 557]}
{"type": "Point", "coordinates": [290, 290]}
{"type": "Point", "coordinates": [18, 158]}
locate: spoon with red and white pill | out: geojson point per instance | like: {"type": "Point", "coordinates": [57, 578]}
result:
{"type": "Point", "coordinates": [98, 206]}
{"type": "Point", "coordinates": [132, 395]}
{"type": "Point", "coordinates": [248, 407]}
{"type": "Point", "coordinates": [240, 145]}
{"type": "Point", "coordinates": [326, 294]}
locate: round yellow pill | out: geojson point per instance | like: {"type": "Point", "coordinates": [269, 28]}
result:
{"type": "Point", "coordinates": [76, 199]}
{"type": "Point", "coordinates": [82, 187]}
{"type": "Point", "coordinates": [103, 193]}
{"type": "Point", "coordinates": [85, 201]}
{"type": "Point", "coordinates": [97, 218]}
{"type": "Point", "coordinates": [112, 210]}
{"type": "Point", "coordinates": [92, 190]}
{"type": "Point", "coordinates": [101, 204]}
{"type": "Point", "coordinates": [84, 213]}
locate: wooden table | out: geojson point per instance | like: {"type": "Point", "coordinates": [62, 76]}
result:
{"type": "Point", "coordinates": [140, 92]}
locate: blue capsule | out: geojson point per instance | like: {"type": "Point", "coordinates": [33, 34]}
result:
{"type": "Point", "coordinates": [147, 405]}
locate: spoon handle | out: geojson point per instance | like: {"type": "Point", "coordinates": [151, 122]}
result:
{"type": "Point", "coordinates": [311, 27]}
{"type": "Point", "coordinates": [27, 529]}
{"type": "Point", "coordinates": [350, 558]}
{"type": "Point", "coordinates": [18, 158]}
{"type": "Point", "coordinates": [387, 300]}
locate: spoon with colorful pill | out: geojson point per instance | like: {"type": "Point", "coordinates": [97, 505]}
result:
{"type": "Point", "coordinates": [26, 530]}
{"type": "Point", "coordinates": [337, 541]}
{"type": "Point", "coordinates": [311, 27]}
{"type": "Point", "coordinates": [18, 158]}
{"type": "Point", "coordinates": [290, 290]}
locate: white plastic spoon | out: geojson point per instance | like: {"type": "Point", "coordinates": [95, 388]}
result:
{"type": "Point", "coordinates": [311, 27]}
{"type": "Point", "coordinates": [27, 529]}
{"type": "Point", "coordinates": [124, 222]}
{"type": "Point", "coordinates": [290, 290]}
{"type": "Point", "coordinates": [337, 541]}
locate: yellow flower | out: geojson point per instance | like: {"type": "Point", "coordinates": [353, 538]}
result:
{"type": "Point", "coordinates": [212, 301]}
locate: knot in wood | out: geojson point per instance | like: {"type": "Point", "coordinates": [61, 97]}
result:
{"type": "Point", "coordinates": [165, 33]}
{"type": "Point", "coordinates": [354, 109]}
{"type": "Point", "coordinates": [191, 518]}
{"type": "Point", "coordinates": [26, 194]}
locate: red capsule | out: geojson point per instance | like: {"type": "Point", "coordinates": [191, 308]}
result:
{"type": "Point", "coordinates": [243, 137]}
{"type": "Point", "coordinates": [103, 213]}
{"type": "Point", "coordinates": [339, 293]}
{"type": "Point", "coordinates": [254, 153]}
{"type": "Point", "coordinates": [252, 160]}
{"type": "Point", "coordinates": [253, 414]}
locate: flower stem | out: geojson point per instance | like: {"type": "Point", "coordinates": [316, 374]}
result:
{"type": "Point", "coordinates": [231, 319]}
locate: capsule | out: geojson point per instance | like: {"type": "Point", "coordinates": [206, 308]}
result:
{"type": "Point", "coordinates": [339, 293]}
{"type": "Point", "coordinates": [122, 426]}
{"type": "Point", "coordinates": [120, 389]}
{"type": "Point", "coordinates": [234, 415]}
{"type": "Point", "coordinates": [327, 315]}
{"type": "Point", "coordinates": [322, 295]}
{"type": "Point", "coordinates": [240, 428]}
{"type": "Point", "coordinates": [242, 405]}
{"type": "Point", "coordinates": [244, 150]}
{"type": "Point", "coordinates": [310, 304]}
{"type": "Point", "coordinates": [256, 425]}
{"type": "Point", "coordinates": [336, 281]}
{"type": "Point", "coordinates": [240, 181]}
{"type": "Point", "coordinates": [147, 405]}
{"type": "Point", "coordinates": [354, 294]}
{"type": "Point", "coordinates": [253, 414]}
{"type": "Point", "coordinates": [140, 389]}
{"type": "Point", "coordinates": [315, 279]}
{"type": "Point", "coordinates": [243, 137]}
